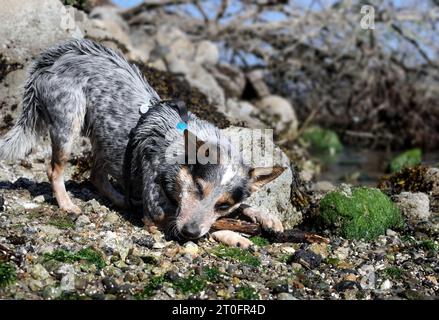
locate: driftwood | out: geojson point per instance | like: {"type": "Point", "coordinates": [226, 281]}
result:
{"type": "Point", "coordinates": [322, 57]}
{"type": "Point", "coordinates": [254, 229]}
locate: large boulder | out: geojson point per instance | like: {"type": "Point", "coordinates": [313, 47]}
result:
{"type": "Point", "coordinates": [243, 111]}
{"type": "Point", "coordinates": [29, 27]}
{"type": "Point", "coordinates": [274, 197]}
{"type": "Point", "coordinates": [181, 56]}
{"type": "Point", "coordinates": [280, 114]}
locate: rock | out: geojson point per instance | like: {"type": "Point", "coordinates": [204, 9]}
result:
{"type": "Point", "coordinates": [279, 114]}
{"type": "Point", "coordinates": [323, 186]}
{"type": "Point", "coordinates": [49, 231]}
{"type": "Point", "coordinates": [346, 285]}
{"type": "Point", "coordinates": [342, 253]}
{"type": "Point", "coordinates": [10, 91]}
{"type": "Point", "coordinates": [82, 221]}
{"type": "Point", "coordinates": [414, 206]}
{"type": "Point", "coordinates": [49, 21]}
{"type": "Point", "coordinates": [230, 78]}
{"type": "Point", "coordinates": [198, 77]}
{"type": "Point", "coordinates": [391, 233]}
{"type": "Point", "coordinates": [308, 259]}
{"type": "Point", "coordinates": [275, 196]}
{"type": "Point", "coordinates": [368, 276]}
{"type": "Point", "coordinates": [39, 272]}
{"type": "Point", "coordinates": [112, 218]}
{"type": "Point", "coordinates": [115, 243]}
{"type": "Point", "coordinates": [359, 212]}
{"type": "Point", "coordinates": [191, 249]}
{"type": "Point", "coordinates": [319, 249]}
{"type": "Point", "coordinates": [40, 199]}
{"type": "Point", "coordinates": [285, 296]}
{"type": "Point", "coordinates": [244, 111]}
{"type": "Point", "coordinates": [110, 285]}
{"type": "Point", "coordinates": [206, 53]}
{"type": "Point", "coordinates": [256, 85]}
{"type": "Point", "coordinates": [386, 285]}
{"type": "Point", "coordinates": [67, 283]}
{"type": "Point", "coordinates": [2, 203]}
{"type": "Point", "coordinates": [145, 241]}
{"type": "Point", "coordinates": [52, 293]}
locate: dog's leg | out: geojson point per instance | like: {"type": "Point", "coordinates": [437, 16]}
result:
{"type": "Point", "coordinates": [268, 221]}
{"type": "Point", "coordinates": [55, 175]}
{"type": "Point", "coordinates": [67, 119]}
{"type": "Point", "coordinates": [231, 238]}
{"type": "Point", "coordinates": [99, 178]}
{"type": "Point", "coordinates": [151, 195]}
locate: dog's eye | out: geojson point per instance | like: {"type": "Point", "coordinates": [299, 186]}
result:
{"type": "Point", "coordinates": [199, 187]}
{"type": "Point", "coordinates": [223, 206]}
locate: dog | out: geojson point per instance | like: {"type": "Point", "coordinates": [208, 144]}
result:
{"type": "Point", "coordinates": [81, 87]}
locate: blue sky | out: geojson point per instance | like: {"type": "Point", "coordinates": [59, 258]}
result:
{"type": "Point", "coordinates": [126, 3]}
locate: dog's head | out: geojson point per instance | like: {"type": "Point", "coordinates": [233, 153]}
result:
{"type": "Point", "coordinates": [211, 185]}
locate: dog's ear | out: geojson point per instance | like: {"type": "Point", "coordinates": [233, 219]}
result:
{"type": "Point", "coordinates": [191, 145]}
{"type": "Point", "coordinates": [260, 176]}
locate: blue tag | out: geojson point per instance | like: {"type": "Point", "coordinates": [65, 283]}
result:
{"type": "Point", "coordinates": [181, 126]}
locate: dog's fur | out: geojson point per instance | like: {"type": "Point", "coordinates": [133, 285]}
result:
{"type": "Point", "coordinates": [81, 87]}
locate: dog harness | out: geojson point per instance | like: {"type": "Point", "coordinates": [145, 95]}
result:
{"type": "Point", "coordinates": [178, 106]}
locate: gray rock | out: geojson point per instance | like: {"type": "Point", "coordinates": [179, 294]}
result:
{"type": "Point", "coordinates": [308, 259]}
{"type": "Point", "coordinates": [285, 296]}
{"type": "Point", "coordinates": [67, 283]}
{"type": "Point", "coordinates": [206, 52]}
{"type": "Point", "coordinates": [274, 197]}
{"type": "Point", "coordinates": [116, 243]}
{"type": "Point", "coordinates": [414, 206]}
{"type": "Point", "coordinates": [244, 111]}
{"type": "Point", "coordinates": [29, 27]}
{"type": "Point", "coordinates": [279, 114]}
{"type": "Point", "coordinates": [82, 221]}
{"type": "Point", "coordinates": [112, 218]}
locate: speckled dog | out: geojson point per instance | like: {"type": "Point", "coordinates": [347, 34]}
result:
{"type": "Point", "coordinates": [81, 87]}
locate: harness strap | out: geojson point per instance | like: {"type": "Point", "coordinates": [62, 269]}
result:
{"type": "Point", "coordinates": [178, 106]}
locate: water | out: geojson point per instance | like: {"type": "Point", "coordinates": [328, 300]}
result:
{"type": "Point", "coordinates": [363, 166]}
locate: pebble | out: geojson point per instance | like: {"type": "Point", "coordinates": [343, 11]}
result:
{"type": "Point", "coordinates": [112, 218]}
{"type": "Point", "coordinates": [308, 259]}
{"type": "Point", "coordinates": [39, 199]}
{"type": "Point", "coordinates": [82, 221]}
{"type": "Point", "coordinates": [285, 296]}
{"type": "Point", "coordinates": [346, 285]}
{"type": "Point", "coordinates": [110, 285]}
{"type": "Point", "coordinates": [386, 285]}
{"type": "Point", "coordinates": [191, 249]}
{"type": "Point", "coordinates": [145, 241]}
{"type": "Point", "coordinates": [67, 283]}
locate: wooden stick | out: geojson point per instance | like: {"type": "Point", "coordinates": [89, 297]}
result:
{"type": "Point", "coordinates": [254, 229]}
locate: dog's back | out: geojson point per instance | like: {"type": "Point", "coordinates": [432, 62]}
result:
{"type": "Point", "coordinates": [82, 83]}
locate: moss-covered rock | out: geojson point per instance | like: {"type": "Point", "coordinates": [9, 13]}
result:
{"type": "Point", "coordinates": [322, 140]}
{"type": "Point", "coordinates": [409, 158]}
{"type": "Point", "coordinates": [359, 212]}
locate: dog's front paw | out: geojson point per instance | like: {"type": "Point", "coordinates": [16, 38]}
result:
{"type": "Point", "coordinates": [271, 223]}
{"type": "Point", "coordinates": [268, 221]}
{"type": "Point", "coordinates": [71, 209]}
{"type": "Point", "coordinates": [231, 238]}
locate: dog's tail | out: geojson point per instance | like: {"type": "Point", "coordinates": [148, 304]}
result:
{"type": "Point", "coordinates": [18, 142]}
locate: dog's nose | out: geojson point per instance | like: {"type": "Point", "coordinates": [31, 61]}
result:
{"type": "Point", "coordinates": [191, 230]}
